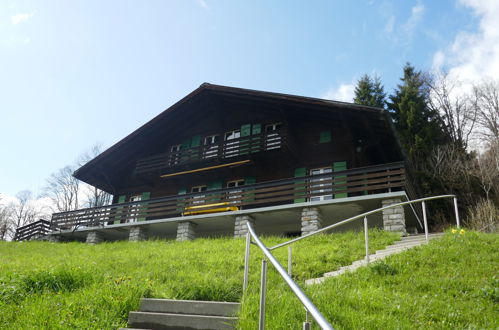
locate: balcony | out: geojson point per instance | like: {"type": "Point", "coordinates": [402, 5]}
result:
{"type": "Point", "coordinates": [362, 181]}
{"type": "Point", "coordinates": [233, 148]}
{"type": "Point", "coordinates": [36, 229]}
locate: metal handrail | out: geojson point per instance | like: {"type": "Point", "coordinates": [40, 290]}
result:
{"type": "Point", "coordinates": [309, 307]}
{"type": "Point", "coordinates": [365, 214]}
{"type": "Point", "coordinates": [306, 302]}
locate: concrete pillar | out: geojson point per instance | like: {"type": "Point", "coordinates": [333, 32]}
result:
{"type": "Point", "coordinates": [240, 228]}
{"type": "Point", "coordinates": [186, 231]}
{"type": "Point", "coordinates": [94, 237]}
{"type": "Point", "coordinates": [393, 218]}
{"type": "Point", "coordinates": [137, 233]}
{"type": "Point", "coordinates": [310, 220]}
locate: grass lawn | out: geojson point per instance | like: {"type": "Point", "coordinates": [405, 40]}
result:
{"type": "Point", "coordinates": [452, 283]}
{"type": "Point", "coordinates": [73, 285]}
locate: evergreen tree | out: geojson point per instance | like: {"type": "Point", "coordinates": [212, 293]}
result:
{"type": "Point", "coordinates": [369, 91]}
{"type": "Point", "coordinates": [419, 128]}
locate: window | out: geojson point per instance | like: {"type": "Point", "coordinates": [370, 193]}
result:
{"type": "Point", "coordinates": [198, 199]}
{"type": "Point", "coordinates": [321, 191]}
{"type": "Point", "coordinates": [272, 136]}
{"type": "Point", "coordinates": [211, 146]}
{"type": "Point", "coordinates": [232, 144]}
{"type": "Point", "coordinates": [174, 154]}
{"type": "Point", "coordinates": [134, 208]}
{"type": "Point", "coordinates": [235, 195]}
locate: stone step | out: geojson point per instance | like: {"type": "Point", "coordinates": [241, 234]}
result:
{"type": "Point", "coordinates": [150, 320]}
{"type": "Point", "coordinates": [404, 244]}
{"type": "Point", "coordinates": [196, 307]}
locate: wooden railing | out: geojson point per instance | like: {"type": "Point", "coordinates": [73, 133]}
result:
{"type": "Point", "coordinates": [255, 143]}
{"type": "Point", "coordinates": [36, 229]}
{"type": "Point", "coordinates": [348, 183]}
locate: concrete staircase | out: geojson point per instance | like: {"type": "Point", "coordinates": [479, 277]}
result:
{"type": "Point", "coordinates": [404, 244]}
{"type": "Point", "coordinates": [183, 314]}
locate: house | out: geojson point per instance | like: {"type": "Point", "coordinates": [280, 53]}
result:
{"type": "Point", "coordinates": [222, 156]}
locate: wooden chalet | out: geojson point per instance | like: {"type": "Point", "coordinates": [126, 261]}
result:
{"type": "Point", "coordinates": [222, 156]}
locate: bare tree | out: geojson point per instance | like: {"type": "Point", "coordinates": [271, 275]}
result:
{"type": "Point", "coordinates": [63, 189]}
{"type": "Point", "coordinates": [487, 104]}
{"type": "Point", "coordinates": [68, 193]}
{"type": "Point", "coordinates": [93, 196]}
{"type": "Point", "coordinates": [486, 170]}
{"type": "Point", "coordinates": [23, 211]}
{"type": "Point", "coordinates": [457, 109]}
{"type": "Point", "coordinates": [4, 221]}
{"type": "Point", "coordinates": [451, 166]}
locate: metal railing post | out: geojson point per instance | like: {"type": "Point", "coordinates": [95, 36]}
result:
{"type": "Point", "coordinates": [307, 325]}
{"type": "Point", "coordinates": [366, 239]}
{"type": "Point", "coordinates": [457, 213]}
{"type": "Point", "coordinates": [246, 260]}
{"type": "Point", "coordinates": [263, 294]}
{"type": "Point", "coordinates": [290, 260]}
{"type": "Point", "coordinates": [425, 221]}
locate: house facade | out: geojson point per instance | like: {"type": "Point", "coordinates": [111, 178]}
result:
{"type": "Point", "coordinates": [222, 156]}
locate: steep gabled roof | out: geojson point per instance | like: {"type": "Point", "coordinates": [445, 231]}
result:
{"type": "Point", "coordinates": [96, 167]}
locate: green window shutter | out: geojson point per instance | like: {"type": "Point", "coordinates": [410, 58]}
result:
{"type": "Point", "coordinates": [119, 210]}
{"type": "Point", "coordinates": [184, 151]}
{"type": "Point", "coordinates": [302, 171]}
{"type": "Point", "coordinates": [213, 186]}
{"type": "Point", "coordinates": [340, 166]}
{"type": "Point", "coordinates": [245, 143]}
{"type": "Point", "coordinates": [299, 172]}
{"type": "Point", "coordinates": [249, 180]}
{"type": "Point", "coordinates": [196, 141]}
{"type": "Point", "coordinates": [246, 130]}
{"type": "Point", "coordinates": [181, 201]}
{"type": "Point", "coordinates": [143, 207]}
{"type": "Point", "coordinates": [186, 144]}
{"type": "Point", "coordinates": [257, 129]}
{"type": "Point", "coordinates": [325, 136]}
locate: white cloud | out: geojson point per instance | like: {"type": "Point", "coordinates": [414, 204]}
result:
{"type": "Point", "coordinates": [390, 24]}
{"type": "Point", "coordinates": [474, 56]}
{"type": "Point", "coordinates": [19, 18]}
{"type": "Point", "coordinates": [410, 25]}
{"type": "Point", "coordinates": [343, 92]}
{"type": "Point", "coordinates": [203, 4]}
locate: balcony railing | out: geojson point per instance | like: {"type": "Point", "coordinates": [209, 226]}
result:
{"type": "Point", "coordinates": [36, 229]}
{"type": "Point", "coordinates": [348, 183]}
{"type": "Point", "coordinates": [223, 150]}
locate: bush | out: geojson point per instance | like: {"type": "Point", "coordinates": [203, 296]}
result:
{"type": "Point", "coordinates": [484, 216]}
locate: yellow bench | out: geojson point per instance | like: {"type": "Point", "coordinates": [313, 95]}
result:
{"type": "Point", "coordinates": [193, 210]}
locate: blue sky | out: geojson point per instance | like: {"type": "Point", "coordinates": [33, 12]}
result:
{"type": "Point", "coordinates": [73, 73]}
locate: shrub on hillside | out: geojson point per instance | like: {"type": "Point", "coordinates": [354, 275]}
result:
{"type": "Point", "coordinates": [484, 216]}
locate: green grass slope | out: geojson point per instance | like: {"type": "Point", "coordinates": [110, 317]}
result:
{"type": "Point", "coordinates": [452, 283]}
{"type": "Point", "coordinates": [73, 285]}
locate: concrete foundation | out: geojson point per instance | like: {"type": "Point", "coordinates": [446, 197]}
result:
{"type": "Point", "coordinates": [186, 231]}
{"type": "Point", "coordinates": [240, 228]}
{"type": "Point", "coordinates": [94, 237]}
{"type": "Point", "coordinates": [310, 220]}
{"type": "Point", "coordinates": [393, 218]}
{"type": "Point", "coordinates": [137, 233]}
